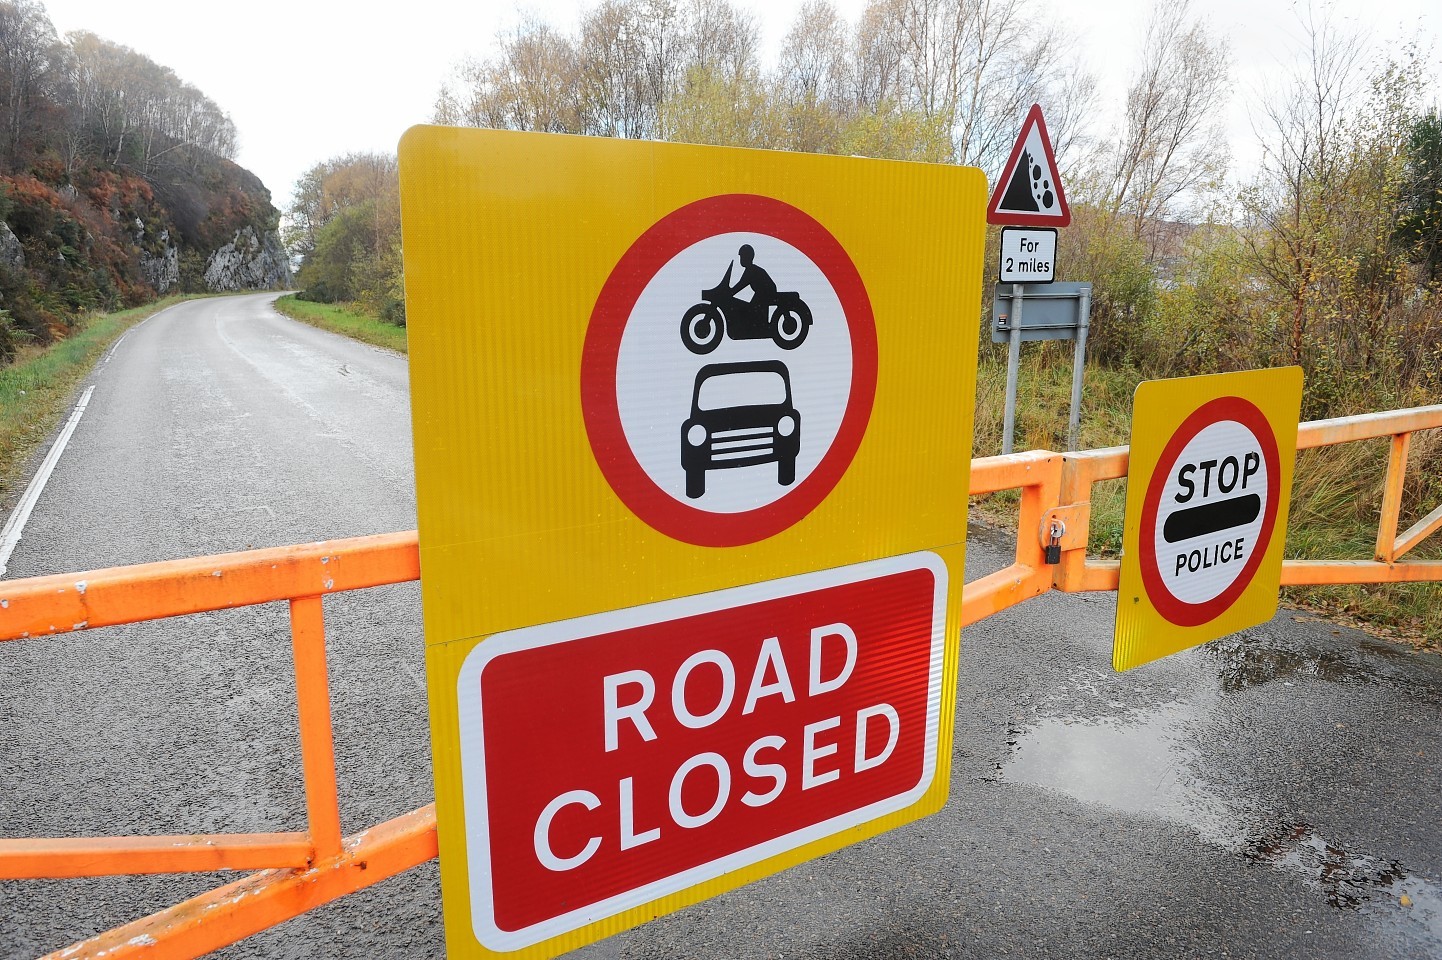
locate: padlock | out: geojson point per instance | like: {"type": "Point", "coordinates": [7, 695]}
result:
{"type": "Point", "coordinates": [1053, 546]}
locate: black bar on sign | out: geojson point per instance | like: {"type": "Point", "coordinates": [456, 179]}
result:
{"type": "Point", "coordinates": [1211, 517]}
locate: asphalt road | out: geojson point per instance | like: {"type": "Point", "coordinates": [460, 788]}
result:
{"type": "Point", "coordinates": [1275, 794]}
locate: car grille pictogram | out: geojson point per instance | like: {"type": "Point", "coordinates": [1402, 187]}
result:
{"type": "Point", "coordinates": [736, 444]}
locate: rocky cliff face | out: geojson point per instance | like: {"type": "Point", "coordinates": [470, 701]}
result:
{"type": "Point", "coordinates": [250, 261]}
{"type": "Point", "coordinates": [12, 254]}
{"type": "Point", "coordinates": [161, 271]}
{"type": "Point", "coordinates": [159, 257]}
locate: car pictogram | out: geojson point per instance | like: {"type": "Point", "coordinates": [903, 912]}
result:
{"type": "Point", "coordinates": [741, 415]}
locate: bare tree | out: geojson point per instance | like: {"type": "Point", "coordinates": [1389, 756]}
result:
{"type": "Point", "coordinates": [32, 63]}
{"type": "Point", "coordinates": [140, 113]}
{"type": "Point", "coordinates": [812, 80]}
{"type": "Point", "coordinates": [1302, 130]}
{"type": "Point", "coordinates": [1172, 142]}
{"type": "Point", "coordinates": [813, 66]}
{"type": "Point", "coordinates": [617, 86]}
{"type": "Point", "coordinates": [670, 68]}
{"type": "Point", "coordinates": [629, 58]}
{"type": "Point", "coordinates": [533, 83]}
{"type": "Point", "coordinates": [721, 39]}
{"type": "Point", "coordinates": [876, 58]}
{"type": "Point", "coordinates": [974, 65]}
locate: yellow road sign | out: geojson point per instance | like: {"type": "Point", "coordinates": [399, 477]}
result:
{"type": "Point", "coordinates": [692, 434]}
{"type": "Point", "coordinates": [1210, 482]}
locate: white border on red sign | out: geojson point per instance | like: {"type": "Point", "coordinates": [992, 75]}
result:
{"type": "Point", "coordinates": [473, 768]}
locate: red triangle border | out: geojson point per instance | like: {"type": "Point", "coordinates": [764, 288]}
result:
{"type": "Point", "coordinates": [1033, 116]}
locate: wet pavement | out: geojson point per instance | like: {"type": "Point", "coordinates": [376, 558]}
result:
{"type": "Point", "coordinates": [1304, 755]}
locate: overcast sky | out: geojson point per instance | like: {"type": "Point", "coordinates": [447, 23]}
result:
{"type": "Point", "coordinates": [306, 80]}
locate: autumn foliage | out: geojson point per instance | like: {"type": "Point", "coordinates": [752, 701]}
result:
{"type": "Point", "coordinates": [115, 178]}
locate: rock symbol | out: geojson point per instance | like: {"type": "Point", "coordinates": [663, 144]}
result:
{"type": "Point", "coordinates": [1029, 189]}
{"type": "Point", "coordinates": [1040, 188]}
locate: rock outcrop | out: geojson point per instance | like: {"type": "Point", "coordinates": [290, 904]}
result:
{"type": "Point", "coordinates": [250, 261]}
{"type": "Point", "coordinates": [12, 254]}
{"type": "Point", "coordinates": [160, 269]}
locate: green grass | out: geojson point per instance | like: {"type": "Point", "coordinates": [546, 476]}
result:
{"type": "Point", "coordinates": [1336, 494]}
{"type": "Point", "coordinates": [35, 390]}
{"type": "Point", "coordinates": [346, 320]}
{"type": "Point", "coordinates": [1043, 404]}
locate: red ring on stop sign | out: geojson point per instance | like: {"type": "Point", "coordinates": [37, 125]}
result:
{"type": "Point", "coordinates": [1242, 411]}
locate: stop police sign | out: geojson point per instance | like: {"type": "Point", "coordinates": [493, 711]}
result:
{"type": "Point", "coordinates": [1210, 473]}
{"type": "Point", "coordinates": [1210, 510]}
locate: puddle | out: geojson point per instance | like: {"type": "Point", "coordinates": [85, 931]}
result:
{"type": "Point", "coordinates": [1243, 663]}
{"type": "Point", "coordinates": [1145, 763]}
{"type": "Point", "coordinates": [1351, 881]}
{"type": "Point", "coordinates": [1139, 764]}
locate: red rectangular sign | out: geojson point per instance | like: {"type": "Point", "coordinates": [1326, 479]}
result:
{"type": "Point", "coordinates": [614, 759]}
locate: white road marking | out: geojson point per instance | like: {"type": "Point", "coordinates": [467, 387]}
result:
{"type": "Point", "coordinates": [15, 525]}
{"type": "Point", "coordinates": [116, 347]}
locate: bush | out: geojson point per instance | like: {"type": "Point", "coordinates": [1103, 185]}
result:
{"type": "Point", "coordinates": [10, 338]}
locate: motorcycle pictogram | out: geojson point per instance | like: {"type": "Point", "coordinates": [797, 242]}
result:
{"type": "Point", "coordinates": [782, 316]}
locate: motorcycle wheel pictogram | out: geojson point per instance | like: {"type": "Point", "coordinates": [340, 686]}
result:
{"type": "Point", "coordinates": [702, 328]}
{"type": "Point", "coordinates": [790, 325]}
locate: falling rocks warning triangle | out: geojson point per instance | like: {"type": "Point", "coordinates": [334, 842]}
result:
{"type": "Point", "coordinates": [1029, 190]}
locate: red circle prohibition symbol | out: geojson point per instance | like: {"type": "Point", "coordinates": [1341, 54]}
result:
{"type": "Point", "coordinates": [664, 240]}
{"type": "Point", "coordinates": [1181, 612]}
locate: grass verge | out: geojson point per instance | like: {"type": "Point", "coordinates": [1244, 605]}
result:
{"type": "Point", "coordinates": [344, 320]}
{"type": "Point", "coordinates": [36, 388]}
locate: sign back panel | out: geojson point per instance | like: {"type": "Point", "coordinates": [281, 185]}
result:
{"type": "Point", "coordinates": [650, 374]}
{"type": "Point", "coordinates": [1210, 480]}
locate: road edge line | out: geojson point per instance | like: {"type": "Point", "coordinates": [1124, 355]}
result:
{"type": "Point", "coordinates": [10, 533]}
{"type": "Point", "coordinates": [15, 525]}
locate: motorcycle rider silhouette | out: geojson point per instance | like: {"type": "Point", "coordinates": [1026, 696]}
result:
{"type": "Point", "coordinates": [763, 288]}
{"type": "Point", "coordinates": [765, 312]}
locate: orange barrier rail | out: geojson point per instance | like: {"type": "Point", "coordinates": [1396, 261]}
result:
{"type": "Point", "coordinates": [302, 870]}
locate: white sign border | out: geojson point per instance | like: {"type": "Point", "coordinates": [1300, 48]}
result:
{"type": "Point", "coordinates": [472, 742]}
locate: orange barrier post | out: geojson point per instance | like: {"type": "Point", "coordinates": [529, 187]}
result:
{"type": "Point", "coordinates": [1037, 474]}
{"type": "Point", "coordinates": [317, 750]}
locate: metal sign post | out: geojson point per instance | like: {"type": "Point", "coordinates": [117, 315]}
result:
{"type": "Point", "coordinates": [1057, 311]}
{"type": "Point", "coordinates": [1013, 366]}
{"type": "Point", "coordinates": [1078, 367]}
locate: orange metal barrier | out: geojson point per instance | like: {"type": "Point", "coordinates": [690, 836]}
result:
{"type": "Point", "coordinates": [302, 870]}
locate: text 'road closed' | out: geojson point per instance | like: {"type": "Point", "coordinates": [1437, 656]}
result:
{"type": "Point", "coordinates": [673, 743]}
